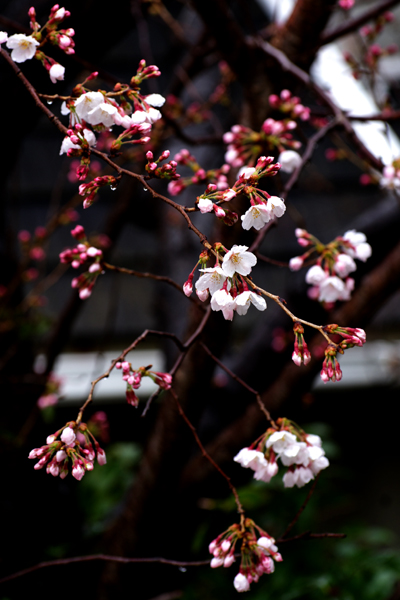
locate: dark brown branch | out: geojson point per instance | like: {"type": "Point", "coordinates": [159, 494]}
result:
{"type": "Point", "coordinates": [351, 25]}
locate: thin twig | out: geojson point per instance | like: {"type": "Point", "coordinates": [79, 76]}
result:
{"type": "Point", "coordinates": [307, 535]}
{"type": "Point", "coordinates": [151, 276]}
{"type": "Point", "coordinates": [241, 382]}
{"type": "Point", "coordinates": [302, 76]}
{"type": "Point", "coordinates": [104, 557]}
{"type": "Point", "coordinates": [206, 455]}
{"type": "Point", "coordinates": [121, 358]}
{"type": "Point", "coordinates": [351, 25]}
{"type": "Point", "coordinates": [301, 509]}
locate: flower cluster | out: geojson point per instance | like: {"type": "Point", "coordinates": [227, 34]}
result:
{"type": "Point", "coordinates": [331, 370]}
{"type": "Point", "coordinates": [167, 171]}
{"type": "Point", "coordinates": [89, 190]}
{"type": "Point", "coordinates": [290, 105]}
{"type": "Point", "coordinates": [263, 207]}
{"type": "Point", "coordinates": [373, 51]}
{"type": "Point", "coordinates": [25, 47]}
{"type": "Point", "coordinates": [133, 378]}
{"type": "Point", "coordinates": [301, 354]}
{"type": "Point", "coordinates": [215, 176]}
{"type": "Point", "coordinates": [78, 142]}
{"type": "Point", "coordinates": [330, 275]}
{"type": "Point", "coordinates": [73, 446]}
{"type": "Point", "coordinates": [302, 453]}
{"type": "Point", "coordinates": [226, 284]}
{"type": "Point", "coordinates": [245, 145]}
{"type": "Point", "coordinates": [77, 256]}
{"type": "Point", "coordinates": [258, 552]}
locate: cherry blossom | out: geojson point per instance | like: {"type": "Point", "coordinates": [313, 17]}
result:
{"type": "Point", "coordinates": [23, 47]}
{"type": "Point", "coordinates": [56, 72]}
{"type": "Point", "coordinates": [256, 216]}
{"type": "Point", "coordinates": [289, 160]}
{"type": "Point", "coordinates": [87, 103]}
{"type": "Point", "coordinates": [212, 280]}
{"type": "Point", "coordinates": [155, 100]}
{"type": "Point", "coordinates": [238, 260]}
{"type": "Point", "coordinates": [243, 301]}
{"type": "Point", "coordinates": [276, 205]}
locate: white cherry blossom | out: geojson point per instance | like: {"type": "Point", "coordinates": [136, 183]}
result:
{"type": "Point", "coordinates": [243, 301]}
{"type": "Point", "coordinates": [256, 216]}
{"type": "Point", "coordinates": [344, 265]}
{"type": "Point", "coordinates": [56, 72]}
{"type": "Point", "coordinates": [331, 289]}
{"type": "Point", "coordinates": [205, 205]}
{"type": "Point", "coordinates": [155, 100]}
{"type": "Point", "coordinates": [212, 280]}
{"type": "Point", "coordinates": [289, 160]}
{"type": "Point", "coordinates": [88, 102]}
{"type": "Point", "coordinates": [23, 47]}
{"type": "Point", "coordinates": [316, 275]}
{"type": "Point", "coordinates": [238, 260]}
{"type": "Point", "coordinates": [102, 114]}
{"type": "Point", "coordinates": [241, 583]}
{"type": "Point", "coordinates": [276, 206]}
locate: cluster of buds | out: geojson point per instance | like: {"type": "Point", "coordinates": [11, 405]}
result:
{"type": "Point", "coordinates": [302, 453]}
{"type": "Point", "coordinates": [330, 275]}
{"type": "Point", "coordinates": [51, 392]}
{"type": "Point", "coordinates": [263, 207]}
{"type": "Point", "coordinates": [89, 190]}
{"type": "Point", "coordinates": [76, 143]}
{"type": "Point", "coordinates": [331, 370]}
{"type": "Point", "coordinates": [200, 175]}
{"type": "Point", "coordinates": [245, 145]}
{"type": "Point", "coordinates": [301, 354]}
{"type": "Point", "coordinates": [73, 446]}
{"type": "Point", "coordinates": [25, 47]}
{"type": "Point", "coordinates": [226, 284]}
{"type": "Point", "coordinates": [33, 246]}
{"type": "Point", "coordinates": [134, 112]}
{"type": "Point", "coordinates": [79, 255]}
{"type": "Point", "coordinates": [133, 378]}
{"type": "Point", "coordinates": [62, 37]}
{"type": "Point", "coordinates": [290, 105]}
{"type": "Point", "coordinates": [144, 72]}
{"type": "Point", "coordinates": [258, 552]}
{"type": "Point", "coordinates": [167, 171]}
{"type": "Point", "coordinates": [374, 51]}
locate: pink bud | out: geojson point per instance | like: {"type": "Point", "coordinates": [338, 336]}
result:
{"type": "Point", "coordinates": [101, 456]}
{"type": "Point", "coordinates": [68, 436]}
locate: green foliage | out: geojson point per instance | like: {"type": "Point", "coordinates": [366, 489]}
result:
{"type": "Point", "coordinates": [103, 489]}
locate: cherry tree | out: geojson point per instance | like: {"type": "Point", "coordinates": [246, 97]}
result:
{"type": "Point", "coordinates": [214, 179]}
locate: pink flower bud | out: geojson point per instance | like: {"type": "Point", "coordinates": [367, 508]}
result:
{"type": "Point", "coordinates": [68, 436]}
{"type": "Point", "coordinates": [101, 456]}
